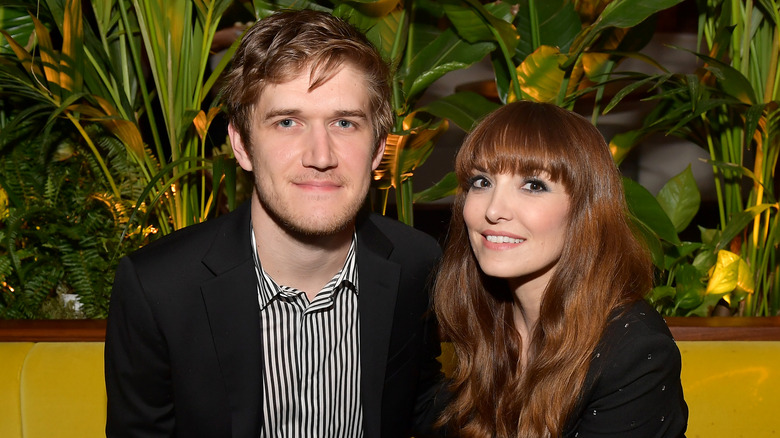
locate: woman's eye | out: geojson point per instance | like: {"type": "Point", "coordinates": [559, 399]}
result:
{"type": "Point", "coordinates": [535, 185]}
{"type": "Point", "coordinates": [479, 182]}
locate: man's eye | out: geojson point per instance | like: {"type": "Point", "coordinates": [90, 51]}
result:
{"type": "Point", "coordinates": [344, 124]}
{"type": "Point", "coordinates": [286, 123]}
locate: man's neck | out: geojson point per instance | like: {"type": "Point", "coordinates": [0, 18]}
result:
{"type": "Point", "coordinates": [305, 263]}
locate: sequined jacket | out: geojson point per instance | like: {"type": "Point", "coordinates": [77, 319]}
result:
{"type": "Point", "coordinates": [632, 389]}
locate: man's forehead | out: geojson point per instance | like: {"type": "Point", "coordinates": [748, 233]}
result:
{"type": "Point", "coordinates": [294, 94]}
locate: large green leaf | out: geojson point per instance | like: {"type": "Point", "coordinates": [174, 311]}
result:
{"type": "Point", "coordinates": [558, 25]}
{"type": "Point", "coordinates": [447, 53]}
{"type": "Point", "coordinates": [689, 285]}
{"type": "Point", "coordinates": [447, 186]}
{"type": "Point", "coordinates": [623, 143]}
{"type": "Point", "coordinates": [731, 80]}
{"type": "Point", "coordinates": [620, 14]}
{"type": "Point", "coordinates": [649, 212]}
{"type": "Point", "coordinates": [629, 13]}
{"type": "Point", "coordinates": [540, 74]}
{"type": "Point", "coordinates": [17, 23]}
{"type": "Point", "coordinates": [381, 32]}
{"type": "Point", "coordinates": [738, 222]}
{"type": "Point", "coordinates": [652, 242]}
{"type": "Point", "coordinates": [476, 22]}
{"type": "Point", "coordinates": [680, 199]}
{"type": "Point", "coordinates": [464, 109]}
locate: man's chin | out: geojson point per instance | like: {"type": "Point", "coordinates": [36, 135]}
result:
{"type": "Point", "coordinates": [313, 224]}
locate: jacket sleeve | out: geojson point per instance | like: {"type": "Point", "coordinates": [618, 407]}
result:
{"type": "Point", "coordinates": [434, 394]}
{"type": "Point", "coordinates": [637, 393]}
{"type": "Point", "coordinates": [137, 368]}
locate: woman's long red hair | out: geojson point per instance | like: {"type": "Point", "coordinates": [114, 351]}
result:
{"type": "Point", "coordinates": [602, 268]}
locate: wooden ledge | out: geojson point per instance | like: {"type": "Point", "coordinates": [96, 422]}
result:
{"type": "Point", "coordinates": [73, 330]}
{"type": "Point", "coordinates": [725, 328]}
{"type": "Point", "coordinates": [683, 329]}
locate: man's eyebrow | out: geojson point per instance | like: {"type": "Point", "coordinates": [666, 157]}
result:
{"type": "Point", "coordinates": [290, 112]}
{"type": "Point", "coordinates": [351, 113]}
{"type": "Point", "coordinates": [280, 112]}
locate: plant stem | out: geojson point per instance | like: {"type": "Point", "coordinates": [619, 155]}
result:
{"type": "Point", "coordinates": [96, 153]}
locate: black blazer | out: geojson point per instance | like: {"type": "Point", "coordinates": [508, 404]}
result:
{"type": "Point", "coordinates": [633, 388]}
{"type": "Point", "coordinates": [183, 346]}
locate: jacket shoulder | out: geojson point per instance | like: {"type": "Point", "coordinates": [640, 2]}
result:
{"type": "Point", "coordinates": [405, 238]}
{"type": "Point", "coordinates": [189, 245]}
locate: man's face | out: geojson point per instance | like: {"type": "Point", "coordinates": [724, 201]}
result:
{"type": "Point", "coordinates": [312, 152]}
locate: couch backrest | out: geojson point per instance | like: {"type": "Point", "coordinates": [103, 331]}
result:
{"type": "Point", "coordinates": [52, 389]}
{"type": "Point", "coordinates": [56, 389]}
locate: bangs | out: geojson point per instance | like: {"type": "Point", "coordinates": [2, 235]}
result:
{"type": "Point", "coordinates": [500, 146]}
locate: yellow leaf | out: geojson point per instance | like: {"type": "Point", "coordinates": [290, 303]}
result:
{"type": "Point", "coordinates": [124, 130]}
{"type": "Point", "coordinates": [47, 50]}
{"type": "Point", "coordinates": [540, 75]}
{"type": "Point", "coordinates": [202, 121]}
{"type": "Point", "coordinates": [22, 54]}
{"type": "Point", "coordinates": [723, 276]}
{"type": "Point", "coordinates": [745, 281]}
{"type": "Point", "coordinates": [3, 204]}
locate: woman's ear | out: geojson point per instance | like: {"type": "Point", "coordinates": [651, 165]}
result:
{"type": "Point", "coordinates": [239, 150]}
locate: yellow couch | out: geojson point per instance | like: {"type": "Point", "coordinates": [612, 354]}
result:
{"type": "Point", "coordinates": [52, 390]}
{"type": "Point", "coordinates": [55, 389]}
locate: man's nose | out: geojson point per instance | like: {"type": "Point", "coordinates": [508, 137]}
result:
{"type": "Point", "coordinates": [319, 153]}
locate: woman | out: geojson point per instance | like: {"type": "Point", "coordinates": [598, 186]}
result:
{"type": "Point", "coordinates": [541, 287]}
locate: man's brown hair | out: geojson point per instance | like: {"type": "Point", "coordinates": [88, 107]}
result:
{"type": "Point", "coordinates": [282, 46]}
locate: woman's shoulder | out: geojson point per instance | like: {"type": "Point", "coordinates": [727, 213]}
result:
{"type": "Point", "coordinates": [636, 336]}
{"type": "Point", "coordinates": [633, 384]}
{"type": "Point", "coordinates": [633, 321]}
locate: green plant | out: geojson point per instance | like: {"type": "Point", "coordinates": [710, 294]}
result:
{"type": "Point", "coordinates": [61, 228]}
{"type": "Point", "coordinates": [123, 82]}
{"type": "Point", "coordinates": [729, 107]}
{"type": "Point", "coordinates": [97, 75]}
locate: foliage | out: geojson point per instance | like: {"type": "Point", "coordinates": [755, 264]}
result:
{"type": "Point", "coordinates": [729, 107]}
{"type": "Point", "coordinates": [62, 228]}
{"type": "Point", "coordinates": [123, 82]}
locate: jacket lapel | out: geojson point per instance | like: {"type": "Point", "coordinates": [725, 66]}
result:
{"type": "Point", "coordinates": [231, 303]}
{"type": "Point", "coordinates": [378, 280]}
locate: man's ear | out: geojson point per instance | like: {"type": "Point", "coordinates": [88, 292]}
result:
{"type": "Point", "coordinates": [239, 150]}
{"type": "Point", "coordinates": [378, 153]}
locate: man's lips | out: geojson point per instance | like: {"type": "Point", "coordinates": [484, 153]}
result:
{"type": "Point", "coordinates": [319, 185]}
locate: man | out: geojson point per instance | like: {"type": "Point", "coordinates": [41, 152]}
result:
{"type": "Point", "coordinates": [295, 315]}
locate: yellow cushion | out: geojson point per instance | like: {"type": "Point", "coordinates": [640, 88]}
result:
{"type": "Point", "coordinates": [732, 388]}
{"type": "Point", "coordinates": [13, 355]}
{"type": "Point", "coordinates": [63, 390]}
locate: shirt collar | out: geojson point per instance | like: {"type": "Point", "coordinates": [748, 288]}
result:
{"type": "Point", "coordinates": [267, 288]}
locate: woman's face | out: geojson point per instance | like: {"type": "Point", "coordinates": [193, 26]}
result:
{"type": "Point", "coordinates": [516, 225]}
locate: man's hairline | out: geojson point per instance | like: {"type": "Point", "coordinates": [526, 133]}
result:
{"type": "Point", "coordinates": [308, 68]}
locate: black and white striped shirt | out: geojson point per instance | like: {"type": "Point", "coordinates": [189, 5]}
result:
{"type": "Point", "coordinates": [311, 356]}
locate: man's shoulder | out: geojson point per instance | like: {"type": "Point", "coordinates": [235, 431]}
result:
{"type": "Point", "coordinates": [403, 236]}
{"type": "Point", "coordinates": [192, 241]}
